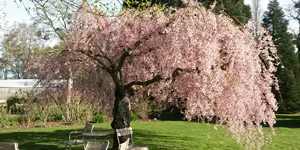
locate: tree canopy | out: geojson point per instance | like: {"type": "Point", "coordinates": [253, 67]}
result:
{"type": "Point", "coordinates": [220, 71]}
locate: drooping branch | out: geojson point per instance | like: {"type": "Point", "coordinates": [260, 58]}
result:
{"type": "Point", "coordinates": [157, 78]}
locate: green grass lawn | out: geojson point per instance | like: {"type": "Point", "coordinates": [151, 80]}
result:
{"type": "Point", "coordinates": [160, 135]}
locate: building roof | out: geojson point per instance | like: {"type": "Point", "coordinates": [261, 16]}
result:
{"type": "Point", "coordinates": [18, 83]}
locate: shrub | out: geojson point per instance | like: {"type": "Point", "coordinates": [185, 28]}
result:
{"type": "Point", "coordinates": [12, 118]}
{"type": "Point", "coordinates": [99, 118]}
{"type": "Point", "coordinates": [22, 119]}
{"type": "Point", "coordinates": [78, 110]}
{"type": "Point", "coordinates": [37, 118]}
{"type": "Point", "coordinates": [39, 125]}
{"type": "Point", "coordinates": [143, 107]}
{"type": "Point", "coordinates": [58, 117]}
{"type": "Point", "coordinates": [12, 104]}
{"type": "Point", "coordinates": [11, 121]}
{"type": "Point", "coordinates": [134, 117]}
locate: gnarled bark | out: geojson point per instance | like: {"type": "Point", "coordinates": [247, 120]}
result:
{"type": "Point", "coordinates": [122, 110]}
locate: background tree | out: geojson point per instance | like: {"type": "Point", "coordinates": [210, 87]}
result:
{"type": "Point", "coordinates": [2, 20]}
{"type": "Point", "coordinates": [288, 77]}
{"type": "Point", "coordinates": [2, 14]}
{"type": "Point", "coordinates": [19, 46]}
{"type": "Point", "coordinates": [190, 53]}
{"type": "Point", "coordinates": [236, 9]}
{"type": "Point", "coordinates": [53, 18]}
{"type": "Point", "coordinates": [256, 16]}
{"type": "Point", "coordinates": [294, 13]}
{"type": "Point", "coordinates": [143, 3]}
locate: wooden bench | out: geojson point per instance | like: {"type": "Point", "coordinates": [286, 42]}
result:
{"type": "Point", "coordinates": [9, 146]}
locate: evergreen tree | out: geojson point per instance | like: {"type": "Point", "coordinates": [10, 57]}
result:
{"type": "Point", "coordinates": [236, 9]}
{"type": "Point", "coordinates": [288, 77]}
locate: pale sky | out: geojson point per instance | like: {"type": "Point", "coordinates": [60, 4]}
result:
{"type": "Point", "coordinates": [18, 14]}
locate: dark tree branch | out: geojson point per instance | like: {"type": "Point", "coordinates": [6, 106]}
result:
{"type": "Point", "coordinates": [105, 57]}
{"type": "Point", "coordinates": [293, 11]}
{"type": "Point", "coordinates": [89, 54]}
{"type": "Point", "coordinates": [77, 60]}
{"type": "Point", "coordinates": [122, 59]}
{"type": "Point", "coordinates": [157, 78]}
{"type": "Point", "coordinates": [129, 51]}
{"type": "Point", "coordinates": [51, 23]}
{"type": "Point", "coordinates": [43, 5]}
{"type": "Point", "coordinates": [93, 57]}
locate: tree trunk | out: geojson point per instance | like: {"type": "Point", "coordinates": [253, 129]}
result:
{"type": "Point", "coordinates": [121, 114]}
{"type": "Point", "coordinates": [5, 73]}
{"type": "Point", "coordinates": [69, 92]}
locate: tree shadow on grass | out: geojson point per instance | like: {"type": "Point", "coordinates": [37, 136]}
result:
{"type": "Point", "coordinates": [51, 140]}
{"type": "Point", "coordinates": [287, 121]}
{"type": "Point", "coordinates": [36, 140]}
{"type": "Point", "coordinates": [55, 140]}
{"type": "Point", "coordinates": [35, 146]}
{"type": "Point", "coordinates": [288, 117]}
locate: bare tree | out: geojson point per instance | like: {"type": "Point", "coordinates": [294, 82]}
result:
{"type": "Point", "coordinates": [54, 18]}
{"type": "Point", "coordinates": [256, 15]}
{"type": "Point", "coordinates": [294, 13]}
{"type": "Point", "coordinates": [2, 13]}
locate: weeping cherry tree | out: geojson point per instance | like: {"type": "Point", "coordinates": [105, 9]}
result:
{"type": "Point", "coordinates": [221, 71]}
